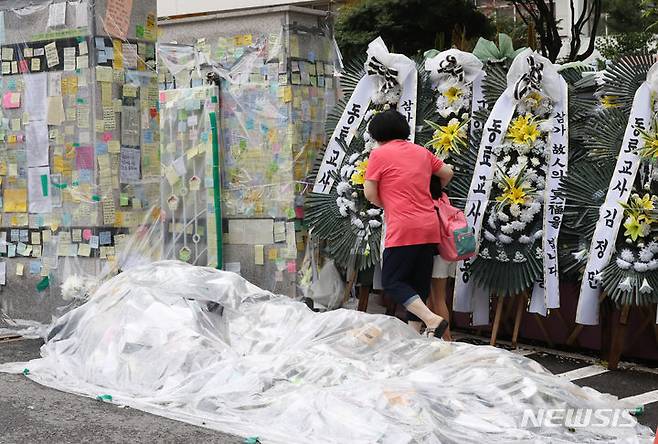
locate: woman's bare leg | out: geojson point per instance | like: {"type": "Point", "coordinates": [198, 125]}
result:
{"type": "Point", "coordinates": [437, 301]}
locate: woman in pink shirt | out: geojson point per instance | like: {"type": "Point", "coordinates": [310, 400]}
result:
{"type": "Point", "coordinates": [397, 180]}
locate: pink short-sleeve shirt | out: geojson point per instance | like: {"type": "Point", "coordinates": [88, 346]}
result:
{"type": "Point", "coordinates": [403, 171]}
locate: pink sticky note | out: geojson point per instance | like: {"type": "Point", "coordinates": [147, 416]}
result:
{"type": "Point", "coordinates": [86, 234]}
{"type": "Point", "coordinates": [84, 158]}
{"type": "Point", "coordinates": [22, 66]}
{"type": "Point", "coordinates": [11, 100]}
{"type": "Point", "coordinates": [107, 137]}
{"type": "Point", "coordinates": [292, 267]}
{"type": "Point", "coordinates": [163, 97]}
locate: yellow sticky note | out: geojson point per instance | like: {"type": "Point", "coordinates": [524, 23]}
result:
{"type": "Point", "coordinates": [15, 200]}
{"type": "Point", "coordinates": [287, 94]}
{"type": "Point", "coordinates": [113, 146]}
{"type": "Point", "coordinates": [259, 258]}
{"type": "Point", "coordinates": [272, 254]}
{"type": "Point", "coordinates": [84, 250]}
{"type": "Point", "coordinates": [19, 269]}
{"type": "Point", "coordinates": [118, 54]}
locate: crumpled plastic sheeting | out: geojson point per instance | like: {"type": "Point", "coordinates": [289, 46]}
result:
{"type": "Point", "coordinates": [209, 348]}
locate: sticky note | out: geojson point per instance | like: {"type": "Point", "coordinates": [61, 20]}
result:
{"type": "Point", "coordinates": [272, 254]}
{"type": "Point", "coordinates": [19, 269]}
{"type": "Point", "coordinates": [259, 258]}
{"type": "Point", "coordinates": [11, 100]}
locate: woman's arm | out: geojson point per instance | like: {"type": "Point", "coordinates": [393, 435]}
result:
{"type": "Point", "coordinates": [371, 190]}
{"type": "Point", "coordinates": [445, 174]}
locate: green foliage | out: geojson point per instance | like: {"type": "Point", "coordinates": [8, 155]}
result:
{"type": "Point", "coordinates": [409, 26]}
{"type": "Point", "coordinates": [614, 46]}
{"type": "Point", "coordinates": [517, 30]}
{"type": "Point", "coordinates": [625, 16]}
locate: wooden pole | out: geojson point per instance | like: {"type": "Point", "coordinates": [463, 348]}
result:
{"type": "Point", "coordinates": [520, 306]}
{"type": "Point", "coordinates": [542, 327]}
{"type": "Point", "coordinates": [496, 324]}
{"type": "Point", "coordinates": [618, 338]}
{"type": "Point", "coordinates": [364, 294]}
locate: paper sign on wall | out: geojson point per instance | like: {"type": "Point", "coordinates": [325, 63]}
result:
{"type": "Point", "coordinates": [117, 18]}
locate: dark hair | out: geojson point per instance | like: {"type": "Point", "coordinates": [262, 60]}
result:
{"type": "Point", "coordinates": [435, 187]}
{"type": "Point", "coordinates": [388, 125]}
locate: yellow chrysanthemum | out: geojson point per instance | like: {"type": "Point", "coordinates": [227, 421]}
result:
{"type": "Point", "coordinates": [453, 94]}
{"type": "Point", "coordinates": [359, 176]}
{"type": "Point", "coordinates": [523, 130]}
{"type": "Point", "coordinates": [635, 228]}
{"type": "Point", "coordinates": [650, 148]}
{"type": "Point", "coordinates": [448, 138]}
{"type": "Point", "coordinates": [608, 102]}
{"type": "Point", "coordinates": [515, 190]}
{"type": "Point", "coordinates": [645, 203]}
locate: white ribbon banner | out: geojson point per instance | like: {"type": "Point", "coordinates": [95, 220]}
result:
{"type": "Point", "coordinates": [554, 201]}
{"type": "Point", "coordinates": [478, 197]}
{"type": "Point", "coordinates": [344, 132]}
{"type": "Point", "coordinates": [384, 71]}
{"type": "Point", "coordinates": [611, 213]}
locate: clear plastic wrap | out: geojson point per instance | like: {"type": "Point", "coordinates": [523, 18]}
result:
{"type": "Point", "coordinates": [209, 348]}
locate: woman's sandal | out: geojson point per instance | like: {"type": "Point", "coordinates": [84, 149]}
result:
{"type": "Point", "coordinates": [439, 331]}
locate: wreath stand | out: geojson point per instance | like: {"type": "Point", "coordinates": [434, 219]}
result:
{"type": "Point", "coordinates": [614, 330]}
{"type": "Point", "coordinates": [521, 301]}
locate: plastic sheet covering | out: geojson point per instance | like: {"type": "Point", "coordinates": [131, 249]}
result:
{"type": "Point", "coordinates": [207, 347]}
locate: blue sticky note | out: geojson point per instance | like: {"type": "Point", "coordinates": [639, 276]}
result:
{"type": "Point", "coordinates": [204, 136]}
{"type": "Point", "coordinates": [67, 219]}
{"type": "Point", "coordinates": [102, 57]}
{"type": "Point", "coordinates": [85, 176]}
{"type": "Point", "coordinates": [35, 267]}
{"type": "Point", "coordinates": [105, 237]}
{"type": "Point", "coordinates": [249, 124]}
{"type": "Point", "coordinates": [100, 42]}
{"type": "Point", "coordinates": [148, 136]}
{"type": "Point", "coordinates": [101, 148]}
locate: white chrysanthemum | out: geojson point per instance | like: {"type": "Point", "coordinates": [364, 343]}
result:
{"type": "Point", "coordinates": [351, 205]}
{"type": "Point", "coordinates": [645, 255]}
{"type": "Point", "coordinates": [519, 257]}
{"type": "Point", "coordinates": [645, 288]}
{"type": "Point", "coordinates": [489, 236]}
{"type": "Point", "coordinates": [367, 117]}
{"type": "Point", "coordinates": [374, 212]}
{"type": "Point", "coordinates": [580, 255]}
{"type": "Point", "coordinates": [523, 239]}
{"type": "Point", "coordinates": [535, 162]}
{"type": "Point", "coordinates": [539, 253]}
{"type": "Point", "coordinates": [378, 98]}
{"type": "Point", "coordinates": [374, 223]}
{"type": "Point", "coordinates": [535, 207]}
{"type": "Point", "coordinates": [653, 247]}
{"type": "Point", "coordinates": [653, 264]}
{"type": "Point", "coordinates": [342, 188]}
{"type": "Point", "coordinates": [492, 223]}
{"type": "Point", "coordinates": [342, 209]}
{"type": "Point", "coordinates": [507, 228]}
{"type": "Point", "coordinates": [484, 253]}
{"type": "Point", "coordinates": [502, 256]}
{"type": "Point", "coordinates": [526, 217]}
{"type": "Point", "coordinates": [627, 255]}
{"type": "Point", "coordinates": [503, 217]}
{"type": "Point", "coordinates": [505, 239]}
{"type": "Point", "coordinates": [369, 146]}
{"type": "Point", "coordinates": [640, 267]}
{"type": "Point", "coordinates": [506, 159]}
{"type": "Point", "coordinates": [518, 225]}
{"type": "Point", "coordinates": [622, 264]}
{"type": "Point", "coordinates": [357, 222]}
{"type": "Point", "coordinates": [346, 170]}
{"type": "Point", "coordinates": [515, 210]}
{"type": "Point", "coordinates": [626, 285]}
